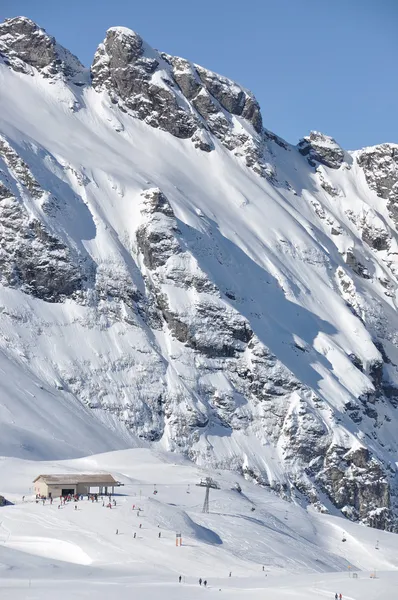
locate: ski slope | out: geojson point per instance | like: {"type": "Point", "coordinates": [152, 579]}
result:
{"type": "Point", "coordinates": [46, 550]}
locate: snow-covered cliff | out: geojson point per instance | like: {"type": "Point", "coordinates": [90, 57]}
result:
{"type": "Point", "coordinates": [173, 273]}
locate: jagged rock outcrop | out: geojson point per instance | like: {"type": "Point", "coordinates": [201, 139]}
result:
{"type": "Point", "coordinates": [129, 72]}
{"type": "Point", "coordinates": [357, 484]}
{"type": "Point", "coordinates": [31, 258]}
{"type": "Point", "coordinates": [26, 45]}
{"type": "Point", "coordinates": [206, 323]}
{"type": "Point", "coordinates": [320, 148]}
{"type": "Point", "coordinates": [380, 167]}
{"type": "Point", "coordinates": [177, 96]}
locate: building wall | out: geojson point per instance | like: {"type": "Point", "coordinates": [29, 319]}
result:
{"type": "Point", "coordinates": [85, 488]}
{"type": "Point", "coordinates": [41, 488]}
{"type": "Point", "coordinates": [56, 490]}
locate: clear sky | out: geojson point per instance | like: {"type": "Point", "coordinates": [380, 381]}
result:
{"type": "Point", "coordinates": [330, 65]}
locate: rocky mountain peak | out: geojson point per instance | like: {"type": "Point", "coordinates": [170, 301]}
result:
{"type": "Point", "coordinates": [177, 96]}
{"type": "Point", "coordinates": [25, 45]}
{"type": "Point", "coordinates": [321, 148]}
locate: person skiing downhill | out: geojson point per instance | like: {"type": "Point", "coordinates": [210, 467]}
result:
{"type": "Point", "coordinates": [200, 581]}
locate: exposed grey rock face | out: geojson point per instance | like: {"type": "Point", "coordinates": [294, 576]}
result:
{"type": "Point", "coordinates": [170, 264]}
{"type": "Point", "coordinates": [320, 148]}
{"type": "Point", "coordinates": [380, 166]}
{"type": "Point", "coordinates": [124, 67]}
{"type": "Point", "coordinates": [26, 45]}
{"type": "Point", "coordinates": [19, 169]}
{"type": "Point", "coordinates": [232, 97]}
{"type": "Point", "coordinates": [358, 486]}
{"type": "Point", "coordinates": [176, 96]}
{"type": "Point", "coordinates": [31, 258]}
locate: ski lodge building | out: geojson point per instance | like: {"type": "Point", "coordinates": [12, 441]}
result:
{"type": "Point", "coordinates": [51, 486]}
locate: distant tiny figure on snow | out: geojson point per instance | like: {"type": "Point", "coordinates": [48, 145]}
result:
{"type": "Point", "coordinates": [340, 597]}
{"type": "Point", "coordinates": [230, 574]}
{"type": "Point", "coordinates": [200, 581]}
{"type": "Point", "coordinates": [75, 506]}
{"type": "Point", "coordinates": [179, 579]}
{"type": "Point", "coordinates": [263, 568]}
{"type": "Point", "coordinates": [135, 535]}
{"type": "Point", "coordinates": [336, 596]}
{"type": "Point", "coordinates": [205, 583]}
{"type": "Point", "coordinates": [117, 532]}
{"type": "Point", "coordinates": [160, 535]}
{"type": "Point", "coordinates": [23, 498]}
{"type": "Point", "coordinates": [140, 525]}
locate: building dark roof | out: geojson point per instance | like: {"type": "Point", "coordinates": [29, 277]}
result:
{"type": "Point", "coordinates": [75, 478]}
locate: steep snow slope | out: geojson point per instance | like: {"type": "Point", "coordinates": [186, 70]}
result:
{"type": "Point", "coordinates": [271, 547]}
{"type": "Point", "coordinates": [191, 278]}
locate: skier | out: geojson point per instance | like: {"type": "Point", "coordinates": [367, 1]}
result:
{"type": "Point", "coordinates": [200, 581]}
{"type": "Point", "coordinates": [75, 506]}
{"type": "Point", "coordinates": [23, 498]}
{"type": "Point", "coordinates": [205, 583]}
{"type": "Point", "coordinates": [230, 574]}
{"type": "Point", "coordinates": [340, 597]}
{"type": "Point", "coordinates": [117, 532]}
{"type": "Point", "coordinates": [336, 596]}
{"type": "Point", "coordinates": [140, 525]}
{"type": "Point", "coordinates": [179, 579]}
{"type": "Point", "coordinates": [135, 535]}
{"type": "Point", "coordinates": [263, 568]}
{"type": "Point", "coordinates": [160, 535]}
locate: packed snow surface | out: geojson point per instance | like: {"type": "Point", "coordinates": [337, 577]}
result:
{"type": "Point", "coordinates": [277, 550]}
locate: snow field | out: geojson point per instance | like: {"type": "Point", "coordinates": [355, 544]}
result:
{"type": "Point", "coordinates": [302, 552]}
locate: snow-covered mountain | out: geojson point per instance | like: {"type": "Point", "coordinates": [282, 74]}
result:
{"type": "Point", "coordinates": [173, 273]}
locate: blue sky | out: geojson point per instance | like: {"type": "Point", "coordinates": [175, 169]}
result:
{"type": "Point", "coordinates": [329, 65]}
